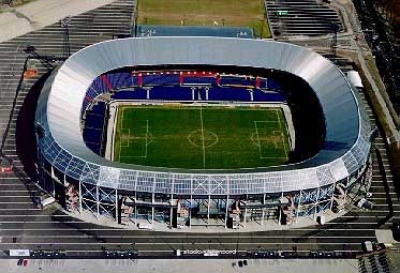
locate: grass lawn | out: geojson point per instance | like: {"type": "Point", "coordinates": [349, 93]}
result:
{"type": "Point", "coordinates": [201, 137]}
{"type": "Point", "coordinates": [242, 13]}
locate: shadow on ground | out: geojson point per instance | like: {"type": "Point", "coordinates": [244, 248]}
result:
{"type": "Point", "coordinates": [25, 129]}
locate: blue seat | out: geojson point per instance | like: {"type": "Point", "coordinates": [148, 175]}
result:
{"type": "Point", "coordinates": [259, 95]}
{"type": "Point", "coordinates": [199, 80]}
{"type": "Point", "coordinates": [160, 79]}
{"type": "Point", "coordinates": [85, 104]}
{"type": "Point", "coordinates": [99, 85]}
{"type": "Point", "coordinates": [170, 93]}
{"type": "Point", "coordinates": [130, 94]}
{"type": "Point", "coordinates": [217, 94]}
{"type": "Point", "coordinates": [94, 126]}
{"type": "Point", "coordinates": [94, 121]}
{"type": "Point", "coordinates": [238, 94]}
{"type": "Point", "coordinates": [273, 85]}
{"type": "Point", "coordinates": [263, 83]}
{"type": "Point", "coordinates": [92, 135]}
{"type": "Point", "coordinates": [120, 80]}
{"type": "Point", "coordinates": [94, 147]}
{"type": "Point", "coordinates": [135, 81]}
{"type": "Point", "coordinates": [92, 93]}
{"type": "Point", "coordinates": [230, 94]}
{"type": "Point", "coordinates": [232, 80]}
{"type": "Point", "coordinates": [99, 108]}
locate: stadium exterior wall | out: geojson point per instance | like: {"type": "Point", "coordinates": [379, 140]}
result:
{"type": "Point", "coordinates": [64, 157]}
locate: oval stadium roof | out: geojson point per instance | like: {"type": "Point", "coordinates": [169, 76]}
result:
{"type": "Point", "coordinates": [346, 146]}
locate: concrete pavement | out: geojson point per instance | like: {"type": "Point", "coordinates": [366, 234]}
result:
{"type": "Point", "coordinates": [41, 13]}
{"type": "Point", "coordinates": [182, 266]}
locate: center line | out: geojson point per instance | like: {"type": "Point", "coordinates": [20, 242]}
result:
{"type": "Point", "coordinates": [202, 132]}
{"type": "Point", "coordinates": [147, 136]}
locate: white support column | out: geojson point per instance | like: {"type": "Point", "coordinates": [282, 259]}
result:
{"type": "Point", "coordinates": [245, 216]}
{"type": "Point", "coordinates": [332, 196]}
{"type": "Point", "coordinates": [316, 201]}
{"type": "Point", "coordinates": [53, 190]}
{"type": "Point", "coordinates": [152, 207]}
{"type": "Point", "coordinates": [116, 206]}
{"type": "Point", "coordinates": [135, 207]}
{"type": "Point", "coordinates": [190, 211]}
{"type": "Point", "coordinates": [263, 211]}
{"type": "Point", "coordinates": [171, 211]}
{"type": "Point", "coordinates": [98, 201]}
{"type": "Point", "coordinates": [208, 209]}
{"type": "Point", "coordinates": [280, 211]}
{"type": "Point", "coordinates": [226, 210]}
{"type": "Point", "coordinates": [80, 196]}
{"type": "Point", "coordinates": [298, 205]}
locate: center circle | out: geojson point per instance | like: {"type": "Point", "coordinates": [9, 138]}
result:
{"type": "Point", "coordinates": [202, 138]}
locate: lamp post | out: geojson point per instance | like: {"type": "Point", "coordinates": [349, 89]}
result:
{"type": "Point", "coordinates": [64, 23]}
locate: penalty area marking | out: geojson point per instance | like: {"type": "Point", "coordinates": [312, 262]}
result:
{"type": "Point", "coordinates": [147, 137]}
{"type": "Point", "coordinates": [202, 132]}
{"type": "Point", "coordinates": [257, 142]}
{"type": "Point", "coordinates": [280, 127]}
{"type": "Point", "coordinates": [120, 143]}
{"type": "Point", "coordinates": [124, 137]}
{"type": "Point", "coordinates": [148, 141]}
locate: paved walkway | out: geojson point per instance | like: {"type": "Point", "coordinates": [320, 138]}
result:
{"type": "Point", "coordinates": [353, 27]}
{"type": "Point", "coordinates": [271, 224]}
{"type": "Point", "coordinates": [41, 13]}
{"type": "Point", "coordinates": [181, 266]}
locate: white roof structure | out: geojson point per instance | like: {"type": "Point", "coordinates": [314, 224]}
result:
{"type": "Point", "coordinates": [355, 78]}
{"type": "Point", "coordinates": [346, 148]}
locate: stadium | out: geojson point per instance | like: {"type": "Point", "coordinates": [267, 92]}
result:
{"type": "Point", "coordinates": [200, 131]}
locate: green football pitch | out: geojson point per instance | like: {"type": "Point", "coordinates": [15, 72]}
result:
{"type": "Point", "coordinates": [206, 137]}
{"type": "Point", "coordinates": [241, 13]}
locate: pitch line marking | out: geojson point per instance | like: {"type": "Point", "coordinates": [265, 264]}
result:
{"type": "Point", "coordinates": [123, 146]}
{"type": "Point", "coordinates": [258, 140]}
{"type": "Point", "coordinates": [280, 127]}
{"type": "Point", "coordinates": [202, 132]}
{"type": "Point", "coordinates": [192, 138]}
{"type": "Point", "coordinates": [122, 120]}
{"type": "Point", "coordinates": [147, 137]}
